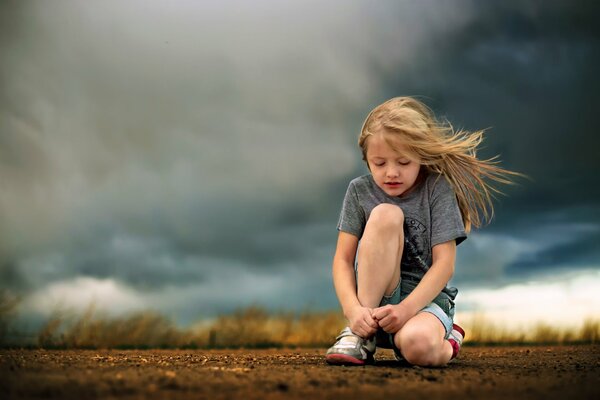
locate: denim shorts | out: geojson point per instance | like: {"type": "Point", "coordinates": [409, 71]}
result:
{"type": "Point", "coordinates": [442, 307]}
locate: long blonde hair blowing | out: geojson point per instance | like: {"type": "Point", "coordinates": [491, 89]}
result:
{"type": "Point", "coordinates": [441, 150]}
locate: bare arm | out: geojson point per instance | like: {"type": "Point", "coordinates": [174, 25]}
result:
{"type": "Point", "coordinates": [436, 278]}
{"type": "Point", "coordinates": [393, 317]}
{"type": "Point", "coordinates": [344, 280]}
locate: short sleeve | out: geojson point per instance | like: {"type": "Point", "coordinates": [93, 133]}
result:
{"type": "Point", "coordinates": [352, 217]}
{"type": "Point", "coordinates": [446, 218]}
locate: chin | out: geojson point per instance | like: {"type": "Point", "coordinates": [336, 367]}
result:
{"type": "Point", "coordinates": [394, 193]}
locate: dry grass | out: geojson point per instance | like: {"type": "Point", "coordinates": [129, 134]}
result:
{"type": "Point", "coordinates": [8, 306]}
{"type": "Point", "coordinates": [89, 330]}
{"type": "Point", "coordinates": [482, 331]}
{"type": "Point", "coordinates": [254, 327]}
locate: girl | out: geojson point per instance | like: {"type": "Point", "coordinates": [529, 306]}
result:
{"type": "Point", "coordinates": [423, 194]}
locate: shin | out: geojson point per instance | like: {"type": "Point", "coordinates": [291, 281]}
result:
{"type": "Point", "coordinates": [380, 254]}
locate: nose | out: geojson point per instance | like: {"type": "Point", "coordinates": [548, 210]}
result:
{"type": "Point", "coordinates": [392, 172]}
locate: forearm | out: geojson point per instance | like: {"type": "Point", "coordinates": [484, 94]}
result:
{"type": "Point", "coordinates": [344, 281]}
{"type": "Point", "coordinates": [434, 280]}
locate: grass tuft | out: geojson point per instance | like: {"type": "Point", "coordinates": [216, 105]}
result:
{"type": "Point", "coordinates": [481, 330]}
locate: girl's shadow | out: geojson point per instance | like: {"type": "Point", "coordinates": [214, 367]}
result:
{"type": "Point", "coordinates": [392, 364]}
{"type": "Point", "coordinates": [403, 364]}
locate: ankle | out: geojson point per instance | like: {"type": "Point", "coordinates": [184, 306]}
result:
{"type": "Point", "coordinates": [455, 348]}
{"type": "Point", "coordinates": [456, 339]}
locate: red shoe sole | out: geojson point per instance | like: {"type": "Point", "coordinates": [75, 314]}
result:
{"type": "Point", "coordinates": [458, 328]}
{"type": "Point", "coordinates": [338, 359]}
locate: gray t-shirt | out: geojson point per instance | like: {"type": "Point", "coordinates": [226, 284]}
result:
{"type": "Point", "coordinates": [431, 216]}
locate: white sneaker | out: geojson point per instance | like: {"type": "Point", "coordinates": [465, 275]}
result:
{"type": "Point", "coordinates": [352, 349]}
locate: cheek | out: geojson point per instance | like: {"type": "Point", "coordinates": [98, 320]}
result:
{"type": "Point", "coordinates": [415, 171]}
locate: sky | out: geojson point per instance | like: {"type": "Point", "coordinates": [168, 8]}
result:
{"type": "Point", "coordinates": [191, 157]}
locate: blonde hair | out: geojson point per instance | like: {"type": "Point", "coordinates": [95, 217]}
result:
{"type": "Point", "coordinates": [441, 150]}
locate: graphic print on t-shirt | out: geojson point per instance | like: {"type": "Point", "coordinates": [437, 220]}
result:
{"type": "Point", "coordinates": [416, 249]}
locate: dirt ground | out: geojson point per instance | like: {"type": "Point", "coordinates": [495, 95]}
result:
{"type": "Point", "coordinates": [530, 372]}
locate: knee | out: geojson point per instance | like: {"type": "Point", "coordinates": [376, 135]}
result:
{"type": "Point", "coordinates": [387, 216]}
{"type": "Point", "coordinates": [417, 345]}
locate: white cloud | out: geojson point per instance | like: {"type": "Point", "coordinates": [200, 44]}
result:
{"type": "Point", "coordinates": [559, 300]}
{"type": "Point", "coordinates": [76, 295]}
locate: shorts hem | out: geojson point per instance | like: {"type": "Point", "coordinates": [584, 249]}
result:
{"type": "Point", "coordinates": [439, 313]}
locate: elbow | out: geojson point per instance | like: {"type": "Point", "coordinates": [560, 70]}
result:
{"type": "Point", "coordinates": [447, 269]}
{"type": "Point", "coordinates": [443, 270]}
{"type": "Point", "coordinates": [451, 271]}
{"type": "Point", "coordinates": [341, 264]}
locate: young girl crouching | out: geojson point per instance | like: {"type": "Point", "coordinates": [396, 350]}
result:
{"type": "Point", "coordinates": [425, 190]}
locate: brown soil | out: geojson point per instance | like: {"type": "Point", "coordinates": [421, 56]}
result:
{"type": "Point", "coordinates": [535, 372]}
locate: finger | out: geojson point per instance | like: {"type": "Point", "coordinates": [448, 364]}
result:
{"type": "Point", "coordinates": [373, 314]}
{"type": "Point", "coordinates": [368, 326]}
{"type": "Point", "coordinates": [375, 328]}
{"type": "Point", "coordinates": [384, 320]}
{"type": "Point", "coordinates": [371, 322]}
{"type": "Point", "coordinates": [359, 331]}
{"type": "Point", "coordinates": [385, 324]}
{"type": "Point", "coordinates": [364, 332]}
{"type": "Point", "coordinates": [369, 329]}
{"type": "Point", "coordinates": [380, 313]}
{"type": "Point", "coordinates": [363, 328]}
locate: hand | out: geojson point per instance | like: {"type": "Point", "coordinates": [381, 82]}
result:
{"type": "Point", "coordinates": [361, 322]}
{"type": "Point", "coordinates": [392, 317]}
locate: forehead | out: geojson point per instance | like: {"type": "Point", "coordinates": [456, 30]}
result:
{"type": "Point", "coordinates": [386, 145]}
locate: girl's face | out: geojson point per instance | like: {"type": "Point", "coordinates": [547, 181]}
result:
{"type": "Point", "coordinates": [394, 171]}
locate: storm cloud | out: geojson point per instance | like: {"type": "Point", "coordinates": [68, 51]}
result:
{"type": "Point", "coordinates": [198, 152]}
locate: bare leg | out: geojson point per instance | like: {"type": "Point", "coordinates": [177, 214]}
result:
{"type": "Point", "coordinates": [379, 254]}
{"type": "Point", "coordinates": [421, 341]}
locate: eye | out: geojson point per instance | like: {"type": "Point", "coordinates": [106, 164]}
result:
{"type": "Point", "coordinates": [404, 162]}
{"type": "Point", "coordinates": [379, 164]}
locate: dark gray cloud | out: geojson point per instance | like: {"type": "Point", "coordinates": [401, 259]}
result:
{"type": "Point", "coordinates": [576, 252]}
{"type": "Point", "coordinates": [527, 71]}
{"type": "Point", "coordinates": [173, 145]}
